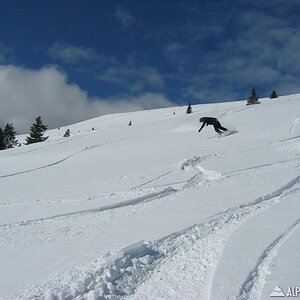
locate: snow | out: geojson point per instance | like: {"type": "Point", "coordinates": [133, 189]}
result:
{"type": "Point", "coordinates": [155, 210]}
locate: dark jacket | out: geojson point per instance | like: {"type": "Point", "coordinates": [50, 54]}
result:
{"type": "Point", "coordinates": [212, 121]}
{"type": "Point", "coordinates": [209, 120]}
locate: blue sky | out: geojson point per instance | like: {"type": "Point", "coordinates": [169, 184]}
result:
{"type": "Point", "coordinates": [95, 57]}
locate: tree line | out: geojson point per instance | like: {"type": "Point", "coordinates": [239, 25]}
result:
{"type": "Point", "coordinates": [8, 134]}
{"type": "Point", "coordinates": [253, 99]}
{"type": "Point", "coordinates": [37, 130]}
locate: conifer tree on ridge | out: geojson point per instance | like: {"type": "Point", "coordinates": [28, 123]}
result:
{"type": "Point", "coordinates": [9, 136]}
{"type": "Point", "coordinates": [37, 131]}
{"type": "Point", "coordinates": [189, 108]}
{"type": "Point", "coordinates": [273, 95]}
{"type": "Point", "coordinates": [253, 99]}
{"type": "Point", "coordinates": [2, 145]}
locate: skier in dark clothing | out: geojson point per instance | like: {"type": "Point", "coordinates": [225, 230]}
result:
{"type": "Point", "coordinates": [212, 121]}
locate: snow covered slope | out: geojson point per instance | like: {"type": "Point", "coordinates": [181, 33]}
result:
{"type": "Point", "coordinates": [155, 210]}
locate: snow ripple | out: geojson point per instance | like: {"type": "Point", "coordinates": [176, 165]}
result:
{"type": "Point", "coordinates": [253, 286]}
{"type": "Point", "coordinates": [142, 199]}
{"type": "Point", "coordinates": [137, 270]}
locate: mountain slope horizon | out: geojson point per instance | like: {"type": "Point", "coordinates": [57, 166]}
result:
{"type": "Point", "coordinates": [155, 210]}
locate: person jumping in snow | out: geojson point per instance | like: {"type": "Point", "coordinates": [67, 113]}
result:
{"type": "Point", "coordinates": [212, 121]}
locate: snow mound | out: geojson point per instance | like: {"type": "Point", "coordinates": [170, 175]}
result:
{"type": "Point", "coordinates": [203, 177]}
{"type": "Point", "coordinates": [227, 133]}
{"type": "Point", "coordinates": [193, 162]}
{"type": "Point", "coordinates": [112, 277]}
{"type": "Point", "coordinates": [179, 255]}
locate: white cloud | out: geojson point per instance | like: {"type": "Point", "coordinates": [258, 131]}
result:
{"type": "Point", "coordinates": [262, 53]}
{"type": "Point", "coordinates": [129, 75]}
{"type": "Point", "coordinates": [207, 94]}
{"type": "Point", "coordinates": [2, 58]}
{"type": "Point", "coordinates": [71, 54]}
{"type": "Point", "coordinates": [289, 58]}
{"type": "Point", "coordinates": [26, 93]}
{"type": "Point", "coordinates": [133, 78]}
{"type": "Point", "coordinates": [6, 53]}
{"type": "Point", "coordinates": [77, 55]}
{"type": "Point", "coordinates": [143, 101]}
{"type": "Point", "coordinates": [174, 53]}
{"type": "Point", "coordinates": [124, 17]}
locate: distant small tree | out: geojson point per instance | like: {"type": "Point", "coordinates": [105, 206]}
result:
{"type": "Point", "coordinates": [130, 124]}
{"type": "Point", "coordinates": [9, 136]}
{"type": "Point", "coordinates": [189, 109]}
{"type": "Point", "coordinates": [273, 95]}
{"type": "Point", "coordinates": [67, 133]}
{"type": "Point", "coordinates": [2, 145]}
{"type": "Point", "coordinates": [37, 131]}
{"type": "Point", "coordinates": [253, 99]}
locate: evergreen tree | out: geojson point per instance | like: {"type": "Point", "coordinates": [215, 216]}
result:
{"type": "Point", "coordinates": [37, 131]}
{"type": "Point", "coordinates": [189, 109]}
{"type": "Point", "coordinates": [67, 133]}
{"type": "Point", "coordinates": [253, 99]}
{"type": "Point", "coordinates": [130, 124]}
{"type": "Point", "coordinates": [2, 145]}
{"type": "Point", "coordinates": [9, 136]}
{"type": "Point", "coordinates": [273, 95]}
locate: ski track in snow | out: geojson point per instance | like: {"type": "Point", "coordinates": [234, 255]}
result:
{"type": "Point", "coordinates": [131, 202]}
{"type": "Point", "coordinates": [188, 258]}
{"type": "Point", "coordinates": [174, 258]}
{"type": "Point", "coordinates": [241, 171]}
{"type": "Point", "coordinates": [289, 139]}
{"type": "Point", "coordinates": [59, 161]}
{"type": "Point", "coordinates": [297, 121]}
{"type": "Point", "coordinates": [268, 145]}
{"type": "Point", "coordinates": [42, 167]}
{"type": "Point", "coordinates": [184, 165]}
{"type": "Point", "coordinates": [152, 180]}
{"type": "Point", "coordinates": [187, 164]}
{"type": "Point", "coordinates": [93, 147]}
{"type": "Point", "coordinates": [56, 200]}
{"type": "Point", "coordinates": [58, 142]}
{"type": "Point", "coordinates": [253, 286]}
{"type": "Point", "coordinates": [211, 176]}
{"type": "Point", "coordinates": [230, 112]}
{"type": "Point", "coordinates": [66, 199]}
{"type": "Point", "coordinates": [203, 178]}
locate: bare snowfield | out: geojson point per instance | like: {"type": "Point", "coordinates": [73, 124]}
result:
{"type": "Point", "coordinates": [155, 210]}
